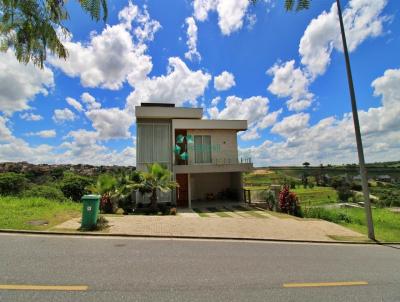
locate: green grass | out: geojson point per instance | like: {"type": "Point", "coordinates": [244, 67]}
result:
{"type": "Point", "coordinates": [250, 212]}
{"type": "Point", "coordinates": [316, 195]}
{"type": "Point", "coordinates": [387, 223]}
{"type": "Point", "coordinates": [219, 212]}
{"type": "Point", "coordinates": [200, 213]}
{"type": "Point", "coordinates": [15, 212]}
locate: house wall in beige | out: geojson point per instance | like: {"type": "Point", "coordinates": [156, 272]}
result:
{"type": "Point", "coordinates": [223, 145]}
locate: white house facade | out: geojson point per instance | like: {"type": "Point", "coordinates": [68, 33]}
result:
{"type": "Point", "coordinates": [202, 154]}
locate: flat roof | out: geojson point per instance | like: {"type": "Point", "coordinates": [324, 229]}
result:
{"type": "Point", "coordinates": [162, 112]}
{"type": "Point", "coordinates": [239, 125]}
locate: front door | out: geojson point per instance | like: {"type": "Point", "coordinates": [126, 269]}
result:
{"type": "Point", "coordinates": [182, 196]}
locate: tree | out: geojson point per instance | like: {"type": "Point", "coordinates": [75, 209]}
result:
{"type": "Point", "coordinates": [33, 27]}
{"type": "Point", "coordinates": [105, 186]}
{"type": "Point", "coordinates": [157, 178]}
{"type": "Point", "coordinates": [306, 164]}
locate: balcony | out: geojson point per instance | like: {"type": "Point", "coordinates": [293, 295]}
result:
{"type": "Point", "coordinates": [218, 165]}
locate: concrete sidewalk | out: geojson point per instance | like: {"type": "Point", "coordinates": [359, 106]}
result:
{"type": "Point", "coordinates": [190, 224]}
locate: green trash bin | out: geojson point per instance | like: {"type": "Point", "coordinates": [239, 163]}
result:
{"type": "Point", "coordinates": [90, 211]}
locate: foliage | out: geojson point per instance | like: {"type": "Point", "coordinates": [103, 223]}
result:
{"type": "Point", "coordinates": [105, 186]}
{"type": "Point", "coordinates": [157, 178]}
{"type": "Point", "coordinates": [45, 191]}
{"type": "Point", "coordinates": [33, 27]}
{"type": "Point", "coordinates": [386, 223]}
{"type": "Point", "coordinates": [300, 4]}
{"type": "Point", "coordinates": [389, 196]}
{"type": "Point", "coordinates": [327, 214]}
{"type": "Point", "coordinates": [75, 186]}
{"type": "Point", "coordinates": [288, 202]}
{"type": "Point", "coordinates": [16, 212]}
{"type": "Point", "coordinates": [12, 183]}
{"type": "Point", "coordinates": [270, 199]}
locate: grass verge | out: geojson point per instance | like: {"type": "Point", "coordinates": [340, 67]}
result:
{"type": "Point", "coordinates": [200, 213]}
{"type": "Point", "coordinates": [386, 223]}
{"type": "Point", "coordinates": [18, 213]}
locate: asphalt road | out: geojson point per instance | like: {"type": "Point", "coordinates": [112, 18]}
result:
{"type": "Point", "coordinates": [119, 269]}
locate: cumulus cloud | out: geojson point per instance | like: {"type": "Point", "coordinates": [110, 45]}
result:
{"type": "Point", "coordinates": [111, 123]}
{"type": "Point", "coordinates": [90, 101]}
{"type": "Point", "coordinates": [29, 116]}
{"type": "Point", "coordinates": [20, 83]}
{"type": "Point", "coordinates": [44, 133]}
{"type": "Point", "coordinates": [63, 115]}
{"type": "Point", "coordinates": [74, 103]}
{"type": "Point", "coordinates": [114, 56]}
{"type": "Point", "coordinates": [289, 81]}
{"type": "Point", "coordinates": [178, 86]}
{"type": "Point", "coordinates": [224, 81]}
{"type": "Point", "coordinates": [362, 19]}
{"type": "Point", "coordinates": [332, 140]}
{"type": "Point", "coordinates": [231, 13]}
{"type": "Point", "coordinates": [215, 101]}
{"type": "Point", "coordinates": [192, 53]}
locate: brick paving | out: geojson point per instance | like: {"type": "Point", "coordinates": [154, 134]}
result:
{"type": "Point", "coordinates": [238, 224]}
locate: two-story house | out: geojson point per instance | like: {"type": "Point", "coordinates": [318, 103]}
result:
{"type": "Point", "coordinates": [201, 153]}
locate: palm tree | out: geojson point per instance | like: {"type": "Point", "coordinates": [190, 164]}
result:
{"type": "Point", "coordinates": [106, 186]}
{"type": "Point", "coordinates": [157, 178]}
{"type": "Point", "coordinates": [33, 27]}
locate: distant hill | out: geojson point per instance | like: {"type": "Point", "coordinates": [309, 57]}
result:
{"type": "Point", "coordinates": [43, 169]}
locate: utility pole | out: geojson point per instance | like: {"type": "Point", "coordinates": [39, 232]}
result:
{"type": "Point", "coordinates": [363, 171]}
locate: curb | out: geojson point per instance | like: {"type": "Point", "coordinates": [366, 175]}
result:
{"type": "Point", "coordinates": [97, 234]}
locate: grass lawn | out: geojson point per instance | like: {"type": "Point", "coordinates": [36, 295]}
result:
{"type": "Point", "coordinates": [387, 223]}
{"type": "Point", "coordinates": [316, 195]}
{"type": "Point", "coordinates": [16, 212]}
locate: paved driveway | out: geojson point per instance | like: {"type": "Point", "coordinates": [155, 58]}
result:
{"type": "Point", "coordinates": [231, 222]}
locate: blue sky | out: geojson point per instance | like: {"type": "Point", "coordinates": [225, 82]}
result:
{"type": "Point", "coordinates": [283, 72]}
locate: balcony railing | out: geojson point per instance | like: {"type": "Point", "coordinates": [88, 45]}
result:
{"type": "Point", "coordinates": [218, 161]}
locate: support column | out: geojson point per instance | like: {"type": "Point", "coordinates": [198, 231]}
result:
{"type": "Point", "coordinates": [189, 192]}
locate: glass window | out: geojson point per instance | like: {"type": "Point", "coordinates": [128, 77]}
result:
{"type": "Point", "coordinates": [202, 149]}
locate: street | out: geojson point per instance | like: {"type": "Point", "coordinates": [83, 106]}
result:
{"type": "Point", "coordinates": [124, 269]}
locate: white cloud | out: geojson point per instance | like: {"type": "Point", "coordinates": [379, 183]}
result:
{"type": "Point", "coordinates": [215, 101]}
{"type": "Point", "coordinates": [269, 119]}
{"type": "Point", "coordinates": [90, 101]}
{"type": "Point", "coordinates": [192, 53]}
{"type": "Point", "coordinates": [63, 115]}
{"type": "Point", "coordinates": [20, 83]}
{"type": "Point", "coordinates": [44, 133]}
{"type": "Point", "coordinates": [29, 116]}
{"type": "Point", "coordinates": [230, 13]}
{"type": "Point", "coordinates": [5, 132]}
{"type": "Point", "coordinates": [111, 123]}
{"type": "Point", "coordinates": [224, 81]}
{"type": "Point", "coordinates": [291, 125]}
{"type": "Point", "coordinates": [332, 140]}
{"type": "Point", "coordinates": [251, 109]}
{"type": "Point", "coordinates": [289, 81]}
{"type": "Point", "coordinates": [250, 134]}
{"type": "Point", "coordinates": [179, 85]}
{"type": "Point", "coordinates": [362, 20]}
{"type": "Point", "coordinates": [112, 57]}
{"type": "Point", "coordinates": [74, 103]}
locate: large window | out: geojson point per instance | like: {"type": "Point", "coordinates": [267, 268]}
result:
{"type": "Point", "coordinates": [202, 149]}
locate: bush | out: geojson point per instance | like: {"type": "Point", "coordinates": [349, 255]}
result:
{"type": "Point", "coordinates": [344, 192]}
{"type": "Point", "coordinates": [288, 202]}
{"type": "Point", "coordinates": [74, 186]}
{"type": "Point", "coordinates": [108, 204]}
{"type": "Point", "coordinates": [45, 192]}
{"type": "Point", "coordinates": [329, 215]}
{"type": "Point", "coordinates": [12, 183]}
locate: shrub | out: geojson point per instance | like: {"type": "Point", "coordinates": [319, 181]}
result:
{"type": "Point", "coordinates": [344, 192]}
{"type": "Point", "coordinates": [288, 202]}
{"type": "Point", "coordinates": [74, 186]}
{"type": "Point", "coordinates": [48, 192]}
{"type": "Point", "coordinates": [108, 204]}
{"type": "Point", "coordinates": [330, 215]}
{"type": "Point", "coordinates": [12, 183]}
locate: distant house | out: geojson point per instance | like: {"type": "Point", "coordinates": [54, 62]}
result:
{"type": "Point", "coordinates": [384, 178]}
{"type": "Point", "coordinates": [202, 154]}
